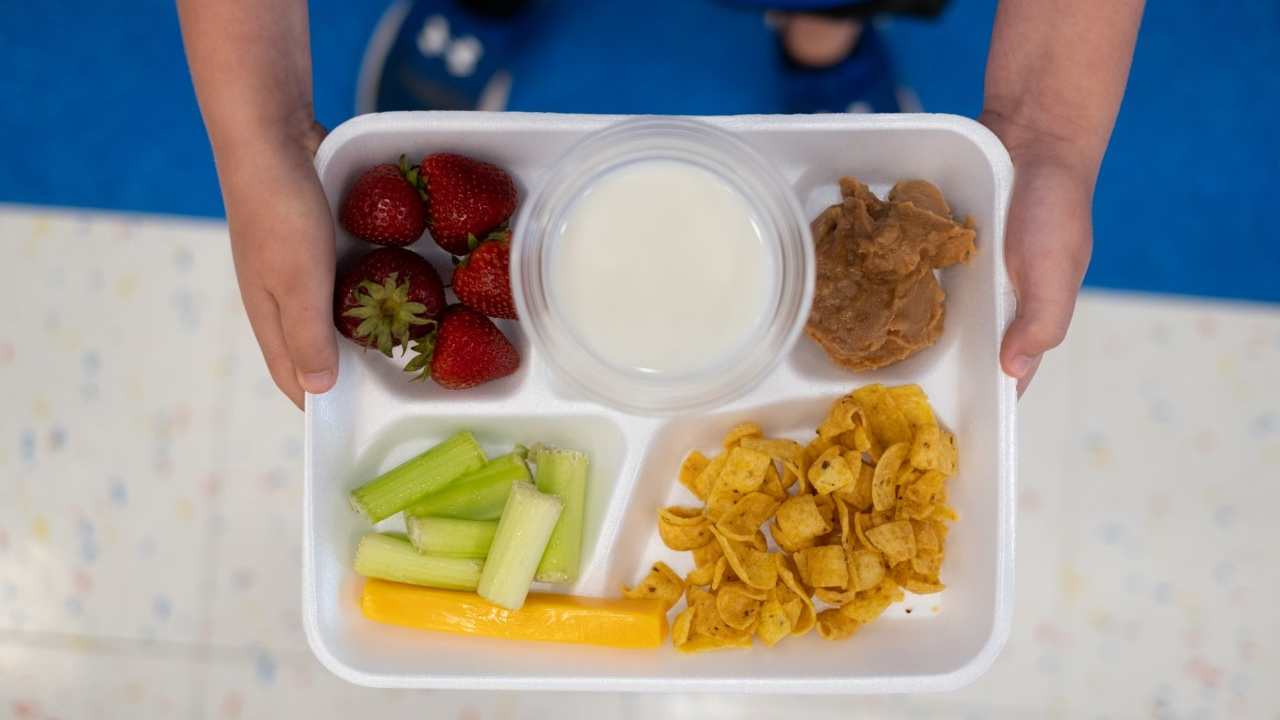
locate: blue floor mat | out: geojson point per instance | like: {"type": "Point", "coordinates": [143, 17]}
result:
{"type": "Point", "coordinates": [100, 111]}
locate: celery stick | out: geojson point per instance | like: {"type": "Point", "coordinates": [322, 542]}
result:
{"type": "Point", "coordinates": [402, 486]}
{"type": "Point", "coordinates": [523, 531]}
{"type": "Point", "coordinates": [478, 495]}
{"type": "Point", "coordinates": [562, 472]}
{"type": "Point", "coordinates": [391, 558]}
{"type": "Point", "coordinates": [451, 537]}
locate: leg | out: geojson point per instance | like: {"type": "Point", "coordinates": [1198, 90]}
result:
{"type": "Point", "coordinates": [833, 58]}
{"type": "Point", "coordinates": [835, 63]}
{"type": "Point", "coordinates": [815, 40]}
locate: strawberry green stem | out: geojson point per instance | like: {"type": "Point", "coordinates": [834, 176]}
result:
{"type": "Point", "coordinates": [386, 314]}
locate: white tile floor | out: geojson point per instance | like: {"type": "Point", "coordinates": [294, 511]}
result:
{"type": "Point", "coordinates": [150, 484]}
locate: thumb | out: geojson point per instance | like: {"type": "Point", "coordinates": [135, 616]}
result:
{"type": "Point", "coordinates": [1049, 238]}
{"type": "Point", "coordinates": [309, 337]}
{"type": "Point", "coordinates": [1037, 328]}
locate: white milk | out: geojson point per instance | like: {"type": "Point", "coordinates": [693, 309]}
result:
{"type": "Point", "coordinates": [660, 267]}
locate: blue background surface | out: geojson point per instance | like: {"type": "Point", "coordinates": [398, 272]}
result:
{"type": "Point", "coordinates": [99, 111]}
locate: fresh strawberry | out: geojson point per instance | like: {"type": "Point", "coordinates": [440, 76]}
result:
{"type": "Point", "coordinates": [465, 197]}
{"type": "Point", "coordinates": [389, 297]}
{"type": "Point", "coordinates": [482, 280]}
{"type": "Point", "coordinates": [385, 206]}
{"type": "Point", "coordinates": [466, 350]}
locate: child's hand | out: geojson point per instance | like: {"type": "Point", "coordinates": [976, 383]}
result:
{"type": "Point", "coordinates": [282, 238]}
{"type": "Point", "coordinates": [251, 67]}
{"type": "Point", "coordinates": [1055, 77]}
{"type": "Point", "coordinates": [1048, 241]}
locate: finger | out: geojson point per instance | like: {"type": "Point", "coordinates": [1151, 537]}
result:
{"type": "Point", "coordinates": [1041, 325]}
{"type": "Point", "coordinates": [1049, 241]}
{"type": "Point", "coordinates": [283, 246]}
{"type": "Point", "coordinates": [1046, 302]}
{"type": "Point", "coordinates": [264, 319]}
{"type": "Point", "coordinates": [1025, 381]}
{"type": "Point", "coordinates": [308, 336]}
{"type": "Point", "coordinates": [307, 325]}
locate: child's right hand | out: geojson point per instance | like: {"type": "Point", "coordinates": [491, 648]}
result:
{"type": "Point", "coordinates": [282, 240]}
{"type": "Point", "coordinates": [251, 67]}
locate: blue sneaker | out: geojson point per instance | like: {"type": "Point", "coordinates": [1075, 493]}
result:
{"type": "Point", "coordinates": [864, 81]}
{"type": "Point", "coordinates": [439, 55]}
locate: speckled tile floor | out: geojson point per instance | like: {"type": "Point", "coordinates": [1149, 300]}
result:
{"type": "Point", "coordinates": [150, 519]}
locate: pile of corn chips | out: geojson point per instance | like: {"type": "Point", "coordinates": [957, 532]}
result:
{"type": "Point", "coordinates": [856, 516]}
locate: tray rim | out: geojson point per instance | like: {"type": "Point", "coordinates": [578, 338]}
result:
{"type": "Point", "coordinates": [1004, 402]}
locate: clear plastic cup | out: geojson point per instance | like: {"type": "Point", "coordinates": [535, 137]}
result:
{"type": "Point", "coordinates": [736, 188]}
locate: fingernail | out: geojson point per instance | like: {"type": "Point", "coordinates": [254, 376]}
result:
{"type": "Point", "coordinates": [1019, 366]}
{"type": "Point", "coordinates": [317, 382]}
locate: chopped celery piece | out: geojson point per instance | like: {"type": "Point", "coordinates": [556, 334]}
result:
{"type": "Point", "coordinates": [392, 558]}
{"type": "Point", "coordinates": [562, 472]}
{"type": "Point", "coordinates": [480, 494]}
{"type": "Point", "coordinates": [402, 486]}
{"type": "Point", "coordinates": [452, 537]}
{"type": "Point", "coordinates": [523, 532]}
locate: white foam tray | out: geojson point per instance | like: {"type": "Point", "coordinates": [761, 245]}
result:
{"type": "Point", "coordinates": [374, 419]}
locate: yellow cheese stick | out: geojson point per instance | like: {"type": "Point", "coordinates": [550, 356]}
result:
{"type": "Point", "coordinates": [610, 622]}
